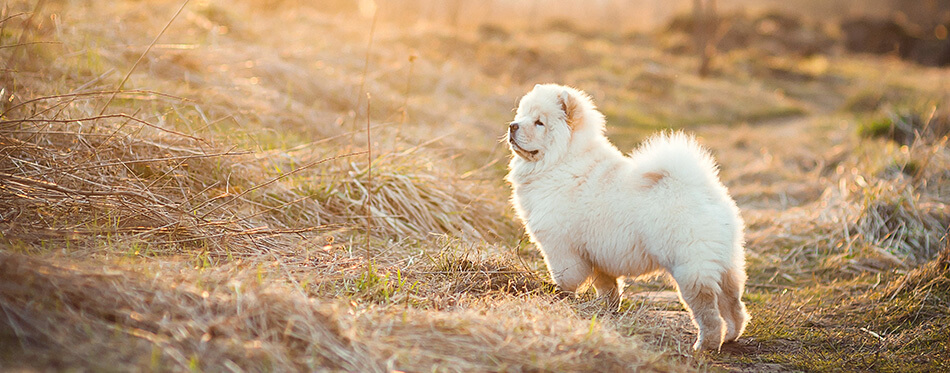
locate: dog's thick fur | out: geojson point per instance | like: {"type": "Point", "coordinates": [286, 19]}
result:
{"type": "Point", "coordinates": [599, 216]}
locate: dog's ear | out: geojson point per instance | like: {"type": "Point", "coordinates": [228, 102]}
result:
{"type": "Point", "coordinates": [572, 112]}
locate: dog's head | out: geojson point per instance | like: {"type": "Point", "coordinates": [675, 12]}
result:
{"type": "Point", "coordinates": [546, 120]}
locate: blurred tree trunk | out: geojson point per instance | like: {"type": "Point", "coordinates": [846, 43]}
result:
{"type": "Point", "coordinates": [705, 25]}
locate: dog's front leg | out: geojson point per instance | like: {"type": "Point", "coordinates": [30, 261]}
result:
{"type": "Point", "coordinates": [568, 270]}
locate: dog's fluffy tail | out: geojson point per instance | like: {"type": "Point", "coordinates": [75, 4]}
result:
{"type": "Point", "coordinates": [679, 156]}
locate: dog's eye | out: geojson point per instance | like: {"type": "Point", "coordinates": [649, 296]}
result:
{"type": "Point", "coordinates": [538, 123]}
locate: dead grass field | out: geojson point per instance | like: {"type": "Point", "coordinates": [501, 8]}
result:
{"type": "Point", "coordinates": [263, 188]}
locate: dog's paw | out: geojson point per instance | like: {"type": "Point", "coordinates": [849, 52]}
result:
{"type": "Point", "coordinates": [704, 344]}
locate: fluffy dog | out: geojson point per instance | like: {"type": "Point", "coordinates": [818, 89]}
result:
{"type": "Point", "coordinates": [599, 216]}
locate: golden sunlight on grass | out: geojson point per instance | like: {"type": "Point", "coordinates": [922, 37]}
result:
{"type": "Point", "coordinates": [280, 185]}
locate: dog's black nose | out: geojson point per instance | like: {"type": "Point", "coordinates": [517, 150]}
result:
{"type": "Point", "coordinates": [513, 127]}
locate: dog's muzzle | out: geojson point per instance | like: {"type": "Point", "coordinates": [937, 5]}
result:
{"type": "Point", "coordinates": [512, 129]}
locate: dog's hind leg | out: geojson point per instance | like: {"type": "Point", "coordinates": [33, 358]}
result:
{"type": "Point", "coordinates": [608, 287]}
{"type": "Point", "coordinates": [700, 296]}
{"type": "Point", "coordinates": [730, 303]}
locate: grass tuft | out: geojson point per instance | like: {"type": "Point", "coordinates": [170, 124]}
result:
{"type": "Point", "coordinates": [215, 220]}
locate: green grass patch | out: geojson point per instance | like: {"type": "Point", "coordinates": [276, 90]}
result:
{"type": "Point", "coordinates": [895, 323]}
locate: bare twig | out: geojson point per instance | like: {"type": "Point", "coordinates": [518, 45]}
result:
{"type": "Point", "coordinates": [99, 117]}
{"type": "Point", "coordinates": [81, 94]}
{"type": "Point", "coordinates": [148, 160]}
{"type": "Point", "coordinates": [64, 190]}
{"type": "Point", "coordinates": [28, 43]}
{"type": "Point", "coordinates": [12, 16]}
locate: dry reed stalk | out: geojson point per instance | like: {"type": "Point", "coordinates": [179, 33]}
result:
{"type": "Point", "coordinates": [405, 104]}
{"type": "Point", "coordinates": [369, 50]}
{"type": "Point", "coordinates": [369, 180]}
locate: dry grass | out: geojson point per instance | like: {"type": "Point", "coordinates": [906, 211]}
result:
{"type": "Point", "coordinates": [221, 212]}
{"type": "Point", "coordinates": [68, 178]}
{"type": "Point", "coordinates": [894, 322]}
{"type": "Point", "coordinates": [879, 211]}
{"type": "Point", "coordinates": [240, 319]}
{"type": "Point", "coordinates": [70, 316]}
{"type": "Point", "coordinates": [184, 236]}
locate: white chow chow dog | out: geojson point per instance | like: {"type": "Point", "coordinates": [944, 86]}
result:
{"type": "Point", "coordinates": [599, 216]}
